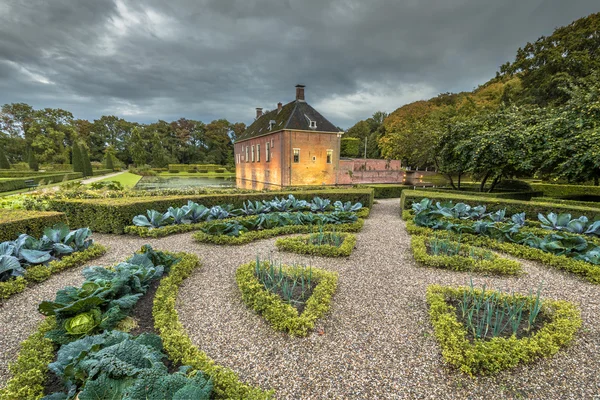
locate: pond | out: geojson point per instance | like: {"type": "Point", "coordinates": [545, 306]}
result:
{"type": "Point", "coordinates": [159, 182]}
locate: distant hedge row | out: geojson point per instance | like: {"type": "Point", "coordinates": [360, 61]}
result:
{"type": "Point", "coordinates": [531, 208]}
{"type": "Point", "coordinates": [15, 222]}
{"type": "Point", "coordinates": [392, 190]}
{"type": "Point", "coordinates": [566, 191]}
{"type": "Point", "coordinates": [17, 184]}
{"type": "Point", "coordinates": [113, 215]}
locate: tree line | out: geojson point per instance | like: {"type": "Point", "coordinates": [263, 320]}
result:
{"type": "Point", "coordinates": [540, 116]}
{"type": "Point", "coordinates": [53, 136]}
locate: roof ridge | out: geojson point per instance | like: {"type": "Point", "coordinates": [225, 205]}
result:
{"type": "Point", "coordinates": [291, 114]}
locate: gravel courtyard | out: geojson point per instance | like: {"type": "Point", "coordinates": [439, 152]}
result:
{"type": "Point", "coordinates": [376, 341]}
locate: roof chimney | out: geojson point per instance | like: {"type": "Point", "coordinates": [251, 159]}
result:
{"type": "Point", "coordinates": [300, 92]}
{"type": "Point", "coordinates": [258, 112]}
{"type": "Point", "coordinates": [279, 107]}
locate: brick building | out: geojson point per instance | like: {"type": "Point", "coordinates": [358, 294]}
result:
{"type": "Point", "coordinates": [293, 145]}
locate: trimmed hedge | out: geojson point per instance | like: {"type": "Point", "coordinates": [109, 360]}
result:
{"type": "Point", "coordinates": [113, 215]}
{"type": "Point", "coordinates": [30, 369]}
{"type": "Point", "coordinates": [388, 191]}
{"type": "Point", "coordinates": [586, 270]}
{"type": "Point", "coordinates": [525, 196]}
{"type": "Point", "coordinates": [15, 222]}
{"type": "Point", "coordinates": [531, 208]}
{"type": "Point", "coordinates": [98, 172]}
{"type": "Point", "coordinates": [17, 184]}
{"type": "Point", "coordinates": [491, 356]}
{"type": "Point", "coordinates": [39, 273]}
{"type": "Point", "coordinates": [566, 191]}
{"type": "Point", "coordinates": [281, 315]}
{"type": "Point", "coordinates": [179, 346]}
{"type": "Point", "coordinates": [300, 245]}
{"type": "Point", "coordinates": [497, 265]}
{"type": "Point", "coordinates": [251, 236]}
{"type": "Point", "coordinates": [143, 231]}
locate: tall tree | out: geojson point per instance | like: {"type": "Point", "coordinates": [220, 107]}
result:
{"type": "Point", "coordinates": [32, 160]}
{"type": "Point", "coordinates": [87, 165]}
{"type": "Point", "coordinates": [109, 161]}
{"type": "Point", "coordinates": [76, 158]}
{"type": "Point", "coordinates": [137, 147]}
{"type": "Point", "coordinates": [4, 164]}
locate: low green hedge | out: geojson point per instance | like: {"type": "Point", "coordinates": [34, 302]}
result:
{"type": "Point", "coordinates": [112, 215]}
{"type": "Point", "coordinates": [98, 172]}
{"type": "Point", "coordinates": [566, 191]}
{"type": "Point", "coordinates": [300, 245]}
{"type": "Point", "coordinates": [281, 315]}
{"type": "Point", "coordinates": [39, 273]}
{"type": "Point", "coordinates": [251, 236]}
{"type": "Point", "coordinates": [496, 265]}
{"type": "Point", "coordinates": [17, 184]}
{"type": "Point", "coordinates": [491, 356]}
{"type": "Point", "coordinates": [388, 190]}
{"type": "Point", "coordinates": [525, 196]}
{"type": "Point", "coordinates": [30, 369]}
{"type": "Point", "coordinates": [531, 208]}
{"type": "Point", "coordinates": [179, 346]}
{"type": "Point", "coordinates": [15, 222]}
{"type": "Point", "coordinates": [143, 231]}
{"type": "Point", "coordinates": [586, 270]}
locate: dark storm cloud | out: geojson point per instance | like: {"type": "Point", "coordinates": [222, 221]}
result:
{"type": "Point", "coordinates": [145, 60]}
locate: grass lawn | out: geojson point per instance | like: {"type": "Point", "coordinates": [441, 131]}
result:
{"type": "Point", "coordinates": [128, 180]}
{"type": "Point", "coordinates": [199, 175]}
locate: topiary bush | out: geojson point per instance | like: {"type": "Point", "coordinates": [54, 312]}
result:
{"type": "Point", "coordinates": [15, 222]}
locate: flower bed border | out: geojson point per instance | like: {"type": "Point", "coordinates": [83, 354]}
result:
{"type": "Point", "coordinates": [487, 357]}
{"type": "Point", "coordinates": [179, 346]}
{"type": "Point", "coordinates": [586, 270]}
{"type": "Point", "coordinates": [498, 265]}
{"type": "Point", "coordinates": [40, 273]}
{"type": "Point", "coordinates": [280, 315]}
{"type": "Point", "coordinates": [298, 244]}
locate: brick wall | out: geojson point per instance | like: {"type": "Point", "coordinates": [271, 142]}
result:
{"type": "Point", "coordinates": [355, 171]}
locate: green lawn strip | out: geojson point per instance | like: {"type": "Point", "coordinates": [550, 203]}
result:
{"type": "Point", "coordinates": [127, 179]}
{"type": "Point", "coordinates": [247, 237]}
{"type": "Point", "coordinates": [179, 346]}
{"type": "Point", "coordinates": [301, 245]}
{"type": "Point", "coordinates": [281, 315]}
{"type": "Point", "coordinates": [198, 174]}
{"type": "Point", "coordinates": [495, 265]}
{"type": "Point", "coordinates": [30, 369]}
{"type": "Point", "coordinates": [586, 270]}
{"type": "Point", "coordinates": [486, 357]}
{"type": "Point", "coordinates": [39, 273]}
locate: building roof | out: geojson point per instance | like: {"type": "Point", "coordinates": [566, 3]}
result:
{"type": "Point", "coordinates": [295, 115]}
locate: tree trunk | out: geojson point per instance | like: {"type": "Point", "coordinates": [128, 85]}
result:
{"type": "Point", "coordinates": [451, 181]}
{"type": "Point", "coordinates": [459, 175]}
{"type": "Point", "coordinates": [483, 181]}
{"type": "Point", "coordinates": [494, 183]}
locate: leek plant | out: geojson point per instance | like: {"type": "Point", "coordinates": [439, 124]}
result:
{"type": "Point", "coordinates": [294, 288]}
{"type": "Point", "coordinates": [322, 238]}
{"type": "Point", "coordinates": [489, 314]}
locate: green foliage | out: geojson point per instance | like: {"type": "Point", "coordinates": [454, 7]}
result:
{"type": "Point", "coordinates": [118, 365]}
{"type": "Point", "coordinates": [17, 184]}
{"type": "Point", "coordinates": [29, 370]}
{"type": "Point", "coordinates": [85, 160]}
{"type": "Point", "coordinates": [281, 315]}
{"type": "Point", "coordinates": [15, 222]}
{"type": "Point", "coordinates": [565, 191]}
{"type": "Point", "coordinates": [112, 215]}
{"type": "Point", "coordinates": [109, 161]}
{"type": "Point", "coordinates": [304, 245]}
{"type": "Point", "coordinates": [108, 185]}
{"type": "Point", "coordinates": [349, 147]}
{"type": "Point", "coordinates": [387, 191]}
{"type": "Point", "coordinates": [77, 159]}
{"type": "Point", "coordinates": [32, 160]}
{"type": "Point", "coordinates": [4, 164]}
{"type": "Point", "coordinates": [469, 259]}
{"type": "Point", "coordinates": [279, 282]}
{"type": "Point", "coordinates": [485, 357]}
{"type": "Point", "coordinates": [179, 346]}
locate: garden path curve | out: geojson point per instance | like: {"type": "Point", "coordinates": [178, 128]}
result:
{"type": "Point", "coordinates": [376, 341]}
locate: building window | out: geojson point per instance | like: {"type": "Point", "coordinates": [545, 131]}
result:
{"type": "Point", "coordinates": [247, 159]}
{"type": "Point", "coordinates": [267, 152]}
{"type": "Point", "coordinates": [313, 124]}
{"type": "Point", "coordinates": [296, 155]}
{"type": "Point", "coordinates": [329, 156]}
{"type": "Point", "coordinates": [258, 153]}
{"type": "Point", "coordinates": [252, 153]}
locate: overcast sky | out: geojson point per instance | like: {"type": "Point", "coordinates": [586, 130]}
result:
{"type": "Point", "coordinates": [145, 60]}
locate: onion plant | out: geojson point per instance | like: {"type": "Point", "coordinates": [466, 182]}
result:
{"type": "Point", "coordinates": [295, 289]}
{"type": "Point", "coordinates": [489, 314]}
{"type": "Point", "coordinates": [322, 238]}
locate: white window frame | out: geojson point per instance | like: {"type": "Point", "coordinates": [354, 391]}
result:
{"type": "Point", "coordinates": [294, 155]}
{"type": "Point", "coordinates": [329, 156]}
{"type": "Point", "coordinates": [246, 159]}
{"type": "Point", "coordinates": [252, 153]}
{"type": "Point", "coordinates": [258, 152]}
{"type": "Point", "coordinates": [267, 152]}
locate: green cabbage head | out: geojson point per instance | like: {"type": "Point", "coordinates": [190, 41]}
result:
{"type": "Point", "coordinates": [83, 323]}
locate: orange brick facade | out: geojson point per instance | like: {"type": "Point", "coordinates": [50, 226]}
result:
{"type": "Point", "coordinates": [312, 167]}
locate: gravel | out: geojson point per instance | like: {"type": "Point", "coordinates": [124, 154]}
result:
{"type": "Point", "coordinates": [377, 341]}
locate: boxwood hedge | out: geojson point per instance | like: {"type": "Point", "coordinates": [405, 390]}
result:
{"type": "Point", "coordinates": [566, 191]}
{"type": "Point", "coordinates": [17, 184]}
{"type": "Point", "coordinates": [113, 215]}
{"type": "Point", "coordinates": [281, 315]}
{"type": "Point", "coordinates": [15, 222]}
{"type": "Point", "coordinates": [300, 245]}
{"type": "Point", "coordinates": [531, 208]}
{"type": "Point", "coordinates": [495, 265]}
{"type": "Point", "coordinates": [491, 356]}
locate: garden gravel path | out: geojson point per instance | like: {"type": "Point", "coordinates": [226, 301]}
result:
{"type": "Point", "coordinates": [376, 341]}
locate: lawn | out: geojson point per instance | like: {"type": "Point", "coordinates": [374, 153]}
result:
{"type": "Point", "coordinates": [198, 174]}
{"type": "Point", "coordinates": [127, 179]}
